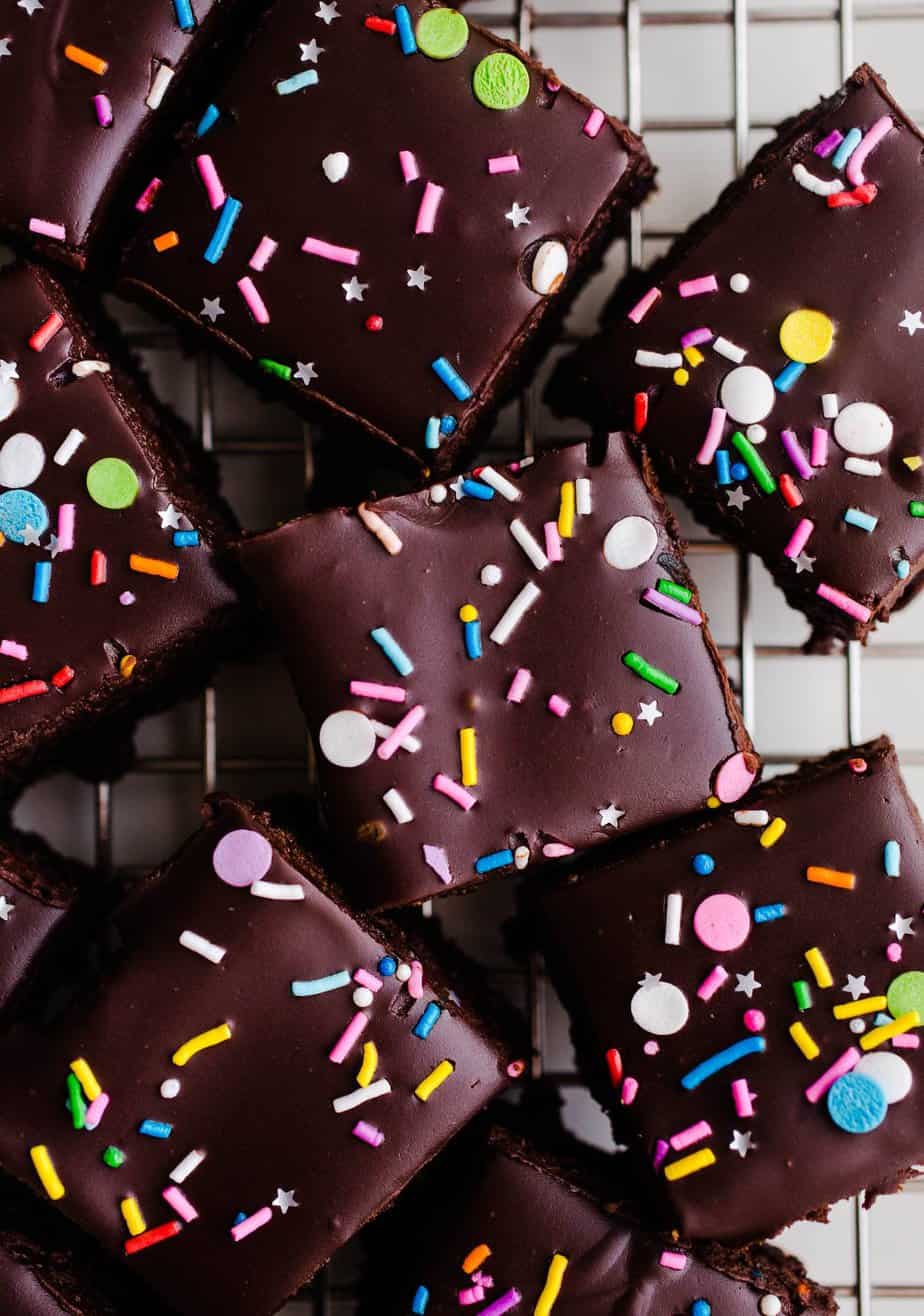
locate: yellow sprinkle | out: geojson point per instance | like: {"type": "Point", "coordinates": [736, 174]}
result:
{"type": "Point", "coordinates": [557, 1267]}
{"type": "Point", "coordinates": [681, 377]}
{"type": "Point", "coordinates": [467, 756]}
{"type": "Point", "coordinates": [47, 1173]}
{"type": "Point", "coordinates": [476, 1258]}
{"type": "Point", "coordinates": [622, 723]}
{"type": "Point", "coordinates": [436, 1078]}
{"type": "Point", "coordinates": [831, 877]}
{"type": "Point", "coordinates": [2, 540]}
{"type": "Point", "coordinates": [368, 1067]}
{"type": "Point", "coordinates": [86, 61]}
{"type": "Point", "coordinates": [913, 463]}
{"type": "Point", "coordinates": [468, 612]}
{"type": "Point", "coordinates": [694, 356]}
{"type": "Point", "coordinates": [804, 1041]}
{"type": "Point", "coordinates": [713, 802]}
{"type": "Point", "coordinates": [772, 832]}
{"type": "Point", "coordinates": [853, 1009]}
{"type": "Point", "coordinates": [131, 1214]}
{"type": "Point", "coordinates": [164, 241]}
{"type": "Point", "coordinates": [700, 1160]}
{"type": "Point", "coordinates": [153, 566]}
{"type": "Point", "coordinates": [201, 1043]}
{"type": "Point", "coordinates": [127, 665]}
{"type": "Point", "coordinates": [900, 1025]}
{"type": "Point", "coordinates": [819, 966]}
{"type": "Point", "coordinates": [87, 1079]}
{"type": "Point", "coordinates": [566, 510]}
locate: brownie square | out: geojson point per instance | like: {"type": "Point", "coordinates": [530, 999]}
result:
{"type": "Point", "coordinates": [745, 994]}
{"type": "Point", "coordinates": [536, 637]}
{"type": "Point", "coordinates": [447, 198]}
{"type": "Point", "coordinates": [276, 1071]}
{"type": "Point", "coordinates": [114, 598]}
{"type": "Point", "coordinates": [770, 362]}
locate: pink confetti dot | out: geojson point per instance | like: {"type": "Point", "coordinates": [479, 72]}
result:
{"type": "Point", "coordinates": [755, 1021]}
{"type": "Point", "coordinates": [242, 857]}
{"type": "Point", "coordinates": [722, 922]}
{"type": "Point", "coordinates": [651, 1048]}
{"type": "Point", "coordinates": [516, 1069]}
{"type": "Point", "coordinates": [893, 952]}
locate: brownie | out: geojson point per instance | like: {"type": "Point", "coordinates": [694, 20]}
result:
{"type": "Point", "coordinates": [83, 88]}
{"type": "Point", "coordinates": [401, 272]}
{"type": "Point", "coordinates": [115, 600]}
{"type": "Point", "coordinates": [745, 993]}
{"type": "Point", "coordinates": [239, 1148]}
{"type": "Point", "coordinates": [516, 1229]}
{"type": "Point", "coordinates": [537, 637]}
{"type": "Point", "coordinates": [770, 364]}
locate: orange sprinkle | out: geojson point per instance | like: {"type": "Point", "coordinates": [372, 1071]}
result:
{"type": "Point", "coordinates": [86, 60]}
{"type": "Point", "coordinates": [153, 566]}
{"type": "Point", "coordinates": [477, 1257]}
{"type": "Point", "coordinates": [831, 877]}
{"type": "Point", "coordinates": [164, 241]}
{"type": "Point", "coordinates": [127, 665]}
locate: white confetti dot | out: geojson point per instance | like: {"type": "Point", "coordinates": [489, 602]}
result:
{"type": "Point", "coordinates": [630, 542]}
{"type": "Point", "coordinates": [21, 460]}
{"type": "Point", "coordinates": [362, 998]}
{"type": "Point", "coordinates": [170, 1088]}
{"type": "Point", "coordinates": [491, 574]}
{"type": "Point", "coordinates": [438, 494]}
{"type": "Point", "coordinates": [858, 1025]}
{"type": "Point", "coordinates": [9, 397]}
{"type": "Point", "coordinates": [739, 283]}
{"type": "Point", "coordinates": [347, 738]}
{"type": "Point", "coordinates": [756, 433]}
{"type": "Point", "coordinates": [549, 268]}
{"type": "Point", "coordinates": [403, 972]}
{"type": "Point", "coordinates": [747, 394]}
{"type": "Point", "coordinates": [660, 1008]}
{"type": "Point", "coordinates": [863, 428]}
{"type": "Point", "coordinates": [770, 1305]}
{"type": "Point", "coordinates": [335, 166]}
{"type": "Point", "coordinates": [891, 1072]}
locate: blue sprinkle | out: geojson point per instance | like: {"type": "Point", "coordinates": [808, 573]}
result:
{"type": "Point", "coordinates": [155, 1129]}
{"type": "Point", "coordinates": [421, 1298]}
{"type": "Point", "coordinates": [186, 539]}
{"type": "Point", "coordinates": [447, 425]}
{"type": "Point", "coordinates": [432, 435]}
{"type": "Point", "coordinates": [722, 467]}
{"type": "Point", "coordinates": [856, 1103]}
{"type": "Point", "coordinates": [449, 376]}
{"type": "Point", "coordinates": [387, 966]}
{"type": "Point", "coordinates": [20, 508]}
{"type": "Point", "coordinates": [184, 15]}
{"type": "Point", "coordinates": [226, 221]}
{"type": "Point", "coordinates": [862, 520]}
{"type": "Point", "coordinates": [847, 148]}
{"type": "Point", "coordinates": [41, 582]}
{"type": "Point", "coordinates": [882, 1018]}
{"type": "Point", "coordinates": [701, 1308]}
{"type": "Point", "coordinates": [297, 82]}
{"type": "Point", "coordinates": [788, 376]}
{"type": "Point", "coordinates": [475, 489]}
{"type": "Point", "coordinates": [768, 913]}
{"type": "Point", "coordinates": [472, 639]}
{"type": "Point", "coordinates": [392, 650]}
{"type": "Point", "coordinates": [317, 986]}
{"type": "Point", "coordinates": [903, 568]}
{"type": "Point", "coordinates": [721, 1060]}
{"type": "Point", "coordinates": [209, 119]}
{"type": "Point", "coordinates": [704, 864]}
{"type": "Point", "coordinates": [405, 30]}
{"type": "Point", "coordinates": [427, 1021]}
{"type": "Point", "coordinates": [238, 1219]}
{"type": "Point", "coordinates": [499, 859]}
{"type": "Point", "coordinates": [739, 471]}
{"type": "Point", "coordinates": [892, 858]}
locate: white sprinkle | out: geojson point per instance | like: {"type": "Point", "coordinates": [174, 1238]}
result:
{"type": "Point", "coordinates": [752, 817]}
{"type": "Point", "coordinates": [756, 433]}
{"type": "Point", "coordinates": [382, 531]}
{"type": "Point", "coordinates": [362, 998]}
{"type": "Point", "coordinates": [398, 805]}
{"type": "Point", "coordinates": [159, 84]}
{"type": "Point", "coordinates": [829, 406]}
{"type": "Point", "coordinates": [739, 283]}
{"type": "Point", "coordinates": [491, 575]}
{"type": "Point", "coordinates": [529, 544]}
{"type": "Point", "coordinates": [278, 890]}
{"type": "Point", "coordinates": [207, 949]}
{"type": "Point", "coordinates": [383, 731]}
{"type": "Point", "coordinates": [862, 466]}
{"type": "Point", "coordinates": [170, 1089]}
{"type": "Point", "coordinates": [660, 360]}
{"type": "Point", "coordinates": [812, 183]}
{"type": "Point", "coordinates": [506, 488]}
{"type": "Point", "coordinates": [380, 1088]}
{"type": "Point", "coordinates": [515, 613]}
{"type": "Point", "coordinates": [403, 972]}
{"type": "Point", "coordinates": [582, 495]}
{"type": "Point", "coordinates": [521, 857]}
{"type": "Point", "coordinates": [438, 493]}
{"type": "Point", "coordinates": [186, 1166]}
{"type": "Point", "coordinates": [672, 918]}
{"type": "Point", "coordinates": [83, 369]}
{"type": "Point", "coordinates": [730, 351]}
{"type": "Point", "coordinates": [69, 447]}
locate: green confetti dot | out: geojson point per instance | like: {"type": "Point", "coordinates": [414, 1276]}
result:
{"type": "Point", "coordinates": [114, 1157]}
{"type": "Point", "coordinates": [442, 33]}
{"type": "Point", "coordinates": [501, 81]}
{"type": "Point", "coordinates": [112, 483]}
{"type": "Point", "coordinates": [906, 992]}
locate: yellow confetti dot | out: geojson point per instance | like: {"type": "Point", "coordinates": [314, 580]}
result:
{"type": "Point", "coordinates": [806, 336]}
{"type": "Point", "coordinates": [127, 665]}
{"type": "Point", "coordinates": [622, 723]}
{"type": "Point", "coordinates": [913, 463]}
{"type": "Point", "coordinates": [694, 356]}
{"type": "Point", "coordinates": [468, 612]}
{"type": "Point", "coordinates": [713, 802]}
{"type": "Point", "coordinates": [681, 376]}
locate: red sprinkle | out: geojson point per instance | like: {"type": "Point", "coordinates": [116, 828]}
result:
{"type": "Point", "coordinates": [640, 412]}
{"type": "Point", "coordinates": [614, 1065]}
{"type": "Point", "coordinates": [62, 677]}
{"type": "Point", "coordinates": [792, 494]}
{"type": "Point", "coordinates": [11, 694]}
{"type": "Point", "coordinates": [375, 324]}
{"type": "Point", "coordinates": [152, 1236]}
{"type": "Point", "coordinates": [45, 332]}
{"type": "Point", "coordinates": [860, 196]}
{"type": "Point", "coordinates": [385, 25]}
{"type": "Point", "coordinates": [859, 766]}
{"type": "Point", "coordinates": [98, 567]}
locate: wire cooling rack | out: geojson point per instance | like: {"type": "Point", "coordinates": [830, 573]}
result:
{"type": "Point", "coordinates": [705, 80]}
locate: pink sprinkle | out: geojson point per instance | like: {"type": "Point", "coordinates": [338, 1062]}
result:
{"type": "Point", "coordinates": [711, 983]}
{"type": "Point", "coordinates": [817, 1090]}
{"type": "Point", "coordinates": [800, 537]}
{"type": "Point", "coordinates": [556, 850]}
{"type": "Point", "coordinates": [694, 337]}
{"type": "Point", "coordinates": [126, 598]}
{"type": "Point", "coordinates": [409, 166]}
{"type": "Point", "coordinates": [149, 195]}
{"type": "Point", "coordinates": [559, 706]}
{"type": "Point", "coordinates": [651, 1047]}
{"type": "Point", "coordinates": [907, 1041]}
{"type": "Point", "coordinates": [660, 1153]}
{"type": "Point", "coordinates": [743, 1098]}
{"type": "Point", "coordinates": [252, 1223]}
{"type": "Point", "coordinates": [819, 446]}
{"type": "Point", "coordinates": [644, 305]}
{"type": "Point", "coordinates": [415, 984]}
{"type": "Point", "coordinates": [664, 603]}
{"type": "Point", "coordinates": [327, 250]}
{"type": "Point", "coordinates": [395, 737]}
{"type": "Point", "coordinates": [713, 437]}
{"type": "Point", "coordinates": [212, 183]}
{"type": "Point", "coordinates": [10, 649]}
{"type": "Point", "coordinates": [66, 514]}
{"type": "Point", "coordinates": [394, 694]}
{"type": "Point", "coordinates": [796, 455]}
{"type": "Point", "coordinates": [263, 253]}
{"type": "Point", "coordinates": [253, 299]}
{"type": "Point", "coordinates": [180, 1204]}
{"type": "Point", "coordinates": [695, 1133]}
{"type": "Point", "coordinates": [467, 1297]}
{"type": "Point", "coordinates": [881, 128]}
{"type": "Point", "coordinates": [429, 205]}
{"type": "Point", "coordinates": [828, 145]}
{"type": "Point", "coordinates": [368, 1133]}
{"type": "Point", "coordinates": [893, 952]}
{"type": "Point", "coordinates": [46, 229]}
{"type": "Point", "coordinates": [755, 1021]}
{"type": "Point", "coordinates": [103, 106]}
{"type": "Point", "coordinates": [503, 164]}
{"type": "Point", "coordinates": [453, 791]}
{"type": "Point", "coordinates": [552, 541]}
{"type": "Point", "coordinates": [843, 601]}
{"type": "Point", "coordinates": [519, 685]}
{"type": "Point", "coordinates": [435, 857]}
{"type": "Point", "coordinates": [350, 1035]}
{"type": "Point", "coordinates": [95, 1111]}
{"type": "Point", "coordinates": [594, 122]}
{"type": "Point", "coordinates": [629, 1091]}
{"type": "Point", "coordinates": [696, 287]}
{"type": "Point", "coordinates": [367, 979]}
{"type": "Point", "coordinates": [673, 1260]}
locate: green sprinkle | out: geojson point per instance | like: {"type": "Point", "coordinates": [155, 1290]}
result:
{"type": "Point", "coordinates": [653, 675]}
{"type": "Point", "coordinates": [754, 462]}
{"type": "Point", "coordinates": [274, 368]}
{"type": "Point", "coordinates": [678, 592]}
{"type": "Point", "coordinates": [442, 33]}
{"type": "Point", "coordinates": [501, 81]}
{"type": "Point", "coordinates": [803, 994]}
{"type": "Point", "coordinates": [114, 1157]}
{"type": "Point", "coordinates": [916, 507]}
{"type": "Point", "coordinates": [78, 1107]}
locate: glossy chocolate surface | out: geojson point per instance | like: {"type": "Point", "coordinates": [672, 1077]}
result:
{"type": "Point", "coordinates": [32, 906]}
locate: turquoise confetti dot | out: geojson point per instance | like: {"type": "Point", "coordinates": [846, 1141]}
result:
{"type": "Point", "coordinates": [18, 509]}
{"type": "Point", "coordinates": [856, 1103]}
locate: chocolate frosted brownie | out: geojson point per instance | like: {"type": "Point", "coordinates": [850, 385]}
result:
{"type": "Point", "coordinates": [772, 361]}
{"type": "Point", "coordinates": [258, 1074]}
{"type": "Point", "coordinates": [746, 996]}
{"type": "Point", "coordinates": [500, 672]}
{"type": "Point", "coordinates": [384, 210]}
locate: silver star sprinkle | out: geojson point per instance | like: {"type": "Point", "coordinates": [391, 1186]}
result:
{"type": "Point", "coordinates": [418, 278]}
{"type": "Point", "coordinates": [650, 980]}
{"type": "Point", "coordinates": [803, 563]}
{"type": "Point", "coordinates": [29, 6]}
{"type": "Point", "coordinates": [212, 308]}
{"type": "Point", "coordinates": [518, 215]}
{"type": "Point", "coordinates": [456, 487]}
{"type": "Point", "coordinates": [8, 371]}
{"type": "Point", "coordinates": [310, 51]}
{"type": "Point", "coordinates": [53, 546]}
{"type": "Point", "coordinates": [737, 498]}
{"type": "Point", "coordinates": [305, 372]}
{"type": "Point", "coordinates": [610, 816]}
{"type": "Point", "coordinates": [327, 12]}
{"type": "Point", "coordinates": [747, 983]}
{"type": "Point", "coordinates": [31, 537]}
{"type": "Point", "coordinates": [856, 985]}
{"type": "Point", "coordinates": [911, 322]}
{"type": "Point", "coordinates": [169, 517]}
{"type": "Point", "coordinates": [6, 909]}
{"type": "Point", "coordinates": [649, 712]}
{"type": "Point", "coordinates": [5, 46]}
{"type": "Point", "coordinates": [284, 1199]}
{"type": "Point", "coordinates": [901, 927]}
{"type": "Point", "coordinates": [742, 1143]}
{"type": "Point", "coordinates": [354, 289]}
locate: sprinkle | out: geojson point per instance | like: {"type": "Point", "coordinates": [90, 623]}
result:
{"type": "Point", "coordinates": [723, 467]}
{"type": "Point", "coordinates": [691, 1164]}
{"type": "Point", "coordinates": [207, 949]}
{"type": "Point", "coordinates": [131, 1214]}
{"type": "Point", "coordinates": [847, 148]}
{"type": "Point", "coordinates": [383, 25]}
{"type": "Point", "coordinates": [429, 205]}
{"type": "Point", "coordinates": [892, 858]}
{"type": "Point", "coordinates": [672, 917]}
{"type": "Point", "coordinates": [86, 1078]}
{"type": "Point", "coordinates": [185, 17]}
{"type": "Point", "coordinates": [815, 1091]}
{"type": "Point", "coordinates": [318, 986]}
{"type": "Point", "coordinates": [629, 1090]}
{"type": "Point", "coordinates": [916, 508]}
{"type": "Point", "coordinates": [902, 1024]}
{"type": "Point", "coordinates": [114, 1157]}
{"type": "Point", "coordinates": [669, 605]}
{"type": "Point", "coordinates": [435, 857]}
{"type": "Point", "coordinates": [829, 406]}
{"type": "Point", "coordinates": [721, 1060]}
{"type": "Point", "coordinates": [819, 966]}
{"type": "Point", "coordinates": [453, 791]}
{"type": "Point", "coordinates": [831, 877]}
{"type": "Point", "coordinates": [393, 694]}
{"type": "Point", "coordinates": [582, 493]}
{"type": "Point", "coordinates": [92, 63]}
{"type": "Point", "coordinates": [210, 117]}
{"type": "Point", "coordinates": [519, 685]}
{"type": "Point", "coordinates": [427, 1086]}
{"type": "Point", "coordinates": [688, 1137]}
{"type": "Point", "coordinates": [653, 675]}
{"type": "Point", "coordinates": [152, 1236]}
{"type": "Point", "coordinates": [159, 84]}
{"type": "Point", "coordinates": [863, 466]}
{"type": "Point", "coordinates": [155, 1129]}
{"type": "Point", "coordinates": [819, 449]}
{"type": "Point", "coordinates": [799, 538]}
{"type": "Point", "coordinates": [11, 694]}
{"type": "Point", "coordinates": [475, 489]}
{"type": "Point", "coordinates": [153, 566]}
{"type": "Point", "coordinates": [213, 187]}
{"type": "Point", "coordinates": [103, 106]}
{"type": "Point", "coordinates": [658, 360]}
{"type": "Point", "coordinates": [369, 1065]}
{"type": "Point", "coordinates": [427, 1021]}
{"type": "Point", "coordinates": [277, 891]}
{"type": "Point", "coordinates": [297, 82]}
{"type": "Point", "coordinates": [149, 196]}
{"type": "Point", "coordinates": [351, 1034]}
{"type": "Point", "coordinates": [255, 302]}
{"type": "Point", "coordinates": [263, 253]}
{"type": "Point", "coordinates": [559, 705]}
{"type": "Point", "coordinates": [812, 183]}
{"type": "Point", "coordinates": [754, 462]}
{"type": "Point", "coordinates": [743, 1098]}
{"type": "Point", "coordinates": [711, 983]}
{"type": "Point", "coordinates": [46, 1172]}
{"type": "Point", "coordinates": [796, 455]}
{"type": "Point", "coordinates": [46, 332]}
{"type": "Point", "coordinates": [409, 168]}
{"type": "Point", "coordinates": [855, 1009]}
{"type": "Point", "coordinates": [913, 463]}
{"type": "Point", "coordinates": [392, 650]}
{"type": "Point", "coordinates": [95, 1112]}
{"type": "Point", "coordinates": [69, 446]}
{"type": "Point", "coordinates": [187, 1165]}
{"type": "Point", "coordinates": [75, 1102]}
{"type": "Point", "coordinates": [593, 123]}
{"type": "Point", "coordinates": [515, 613]}
{"type": "Point", "coordinates": [862, 520]}
{"type": "Point", "coordinates": [804, 1041]}
{"type": "Point", "coordinates": [881, 128]}
{"type": "Point", "coordinates": [368, 1133]}
{"type": "Point", "coordinates": [382, 531]}
{"type": "Point", "coordinates": [695, 287]}
{"type": "Point", "coordinates": [275, 368]}
{"type": "Point", "coordinates": [228, 217]}
{"type": "Point", "coordinates": [529, 544]}
{"type": "Point", "coordinates": [640, 412]}
{"type": "Point", "coordinates": [41, 582]}
{"type": "Point", "coordinates": [566, 510]}
{"type": "Point", "coordinates": [828, 144]}
{"type": "Point", "coordinates": [10, 649]}
{"type": "Point", "coordinates": [186, 539]}
{"type": "Point", "coordinates": [790, 491]}
{"type": "Point", "coordinates": [644, 305]}
{"type": "Point", "coordinates": [181, 1204]}
{"type": "Point", "coordinates": [552, 1287]}
{"type": "Point", "coordinates": [467, 756]}
{"type": "Point", "coordinates": [201, 1042]}
{"type": "Point", "coordinates": [421, 1298]}
{"type": "Point", "coordinates": [432, 433]}
{"type": "Point", "coordinates": [864, 195]}
{"type": "Point", "coordinates": [164, 241]}
{"type": "Point", "coordinates": [843, 601]}
{"type": "Point", "coordinates": [46, 229]}
{"type": "Point", "coordinates": [506, 488]}
{"type": "Point", "coordinates": [503, 164]}
{"type": "Point", "coordinates": [713, 437]}
{"type": "Point", "coordinates": [802, 993]}
{"type": "Point", "coordinates": [449, 376]}
{"type": "Point", "coordinates": [251, 1223]}
{"type": "Point", "coordinates": [731, 351]}
{"type": "Point", "coordinates": [394, 739]}
{"type": "Point", "coordinates": [405, 30]}
{"type": "Point", "coordinates": [751, 817]}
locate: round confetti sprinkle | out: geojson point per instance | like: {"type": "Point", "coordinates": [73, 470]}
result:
{"type": "Point", "coordinates": [739, 283]}
{"type": "Point", "coordinates": [491, 575]}
{"type": "Point", "coordinates": [387, 965]}
{"type": "Point", "coordinates": [550, 265]}
{"type": "Point", "coordinates": [891, 1072]}
{"type": "Point", "coordinates": [516, 1069]}
{"type": "Point", "coordinates": [858, 1025]}
{"type": "Point", "coordinates": [739, 471]}
{"type": "Point", "coordinates": [438, 494]}
{"type": "Point", "coordinates": [19, 509]}
{"type": "Point", "coordinates": [442, 33]}
{"type": "Point", "coordinates": [651, 1048]}
{"type": "Point", "coordinates": [501, 81]}
{"type": "Point", "coordinates": [9, 397]}
{"type": "Point", "coordinates": [346, 738]}
{"type": "Point", "coordinates": [335, 166]}
{"type": "Point", "coordinates": [660, 1008]}
{"type": "Point", "coordinates": [114, 1157]}
{"type": "Point", "coordinates": [806, 336]}
{"type": "Point", "coordinates": [681, 376]}
{"type": "Point", "coordinates": [112, 483]}
{"type": "Point", "coordinates": [170, 1088]}
{"type": "Point", "coordinates": [856, 1103]}
{"type": "Point", "coordinates": [722, 922]}
{"type": "Point", "coordinates": [757, 433]}
{"type": "Point", "coordinates": [704, 864]}
{"type": "Point", "coordinates": [713, 802]}
{"type": "Point", "coordinates": [747, 394]}
{"type": "Point", "coordinates": [893, 952]}
{"type": "Point", "coordinates": [770, 1305]}
{"type": "Point", "coordinates": [375, 324]}
{"type": "Point", "coordinates": [22, 458]}
{"type": "Point", "coordinates": [701, 1308]}
{"type": "Point", "coordinates": [630, 542]}
{"type": "Point", "coordinates": [735, 776]}
{"type": "Point", "coordinates": [622, 723]}
{"type": "Point", "coordinates": [403, 972]}
{"type": "Point", "coordinates": [905, 993]}
{"type": "Point", "coordinates": [362, 998]}
{"type": "Point", "coordinates": [242, 857]}
{"type": "Point", "coordinates": [755, 1021]}
{"type": "Point", "coordinates": [863, 428]}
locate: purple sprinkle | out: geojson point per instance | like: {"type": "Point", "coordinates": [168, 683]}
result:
{"type": "Point", "coordinates": [660, 1153]}
{"type": "Point", "coordinates": [828, 145]}
{"type": "Point", "coordinates": [696, 336]}
{"type": "Point", "coordinates": [796, 455]}
{"type": "Point", "coordinates": [126, 598]}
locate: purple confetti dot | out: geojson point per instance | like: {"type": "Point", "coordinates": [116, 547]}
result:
{"type": "Point", "coordinates": [242, 857]}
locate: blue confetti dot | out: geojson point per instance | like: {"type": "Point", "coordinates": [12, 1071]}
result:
{"type": "Point", "coordinates": [701, 1308]}
{"type": "Point", "coordinates": [20, 508]}
{"type": "Point", "coordinates": [739, 471]}
{"type": "Point", "coordinates": [703, 864]}
{"type": "Point", "coordinates": [903, 568]}
{"type": "Point", "coordinates": [387, 966]}
{"type": "Point", "coordinates": [857, 1104]}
